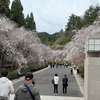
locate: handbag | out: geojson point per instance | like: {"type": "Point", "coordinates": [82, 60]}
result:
{"type": "Point", "coordinates": [52, 81]}
{"type": "Point", "coordinates": [29, 91]}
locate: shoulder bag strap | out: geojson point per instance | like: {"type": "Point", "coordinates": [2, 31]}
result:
{"type": "Point", "coordinates": [29, 91]}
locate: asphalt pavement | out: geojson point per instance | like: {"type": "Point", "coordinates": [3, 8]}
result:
{"type": "Point", "coordinates": [43, 81]}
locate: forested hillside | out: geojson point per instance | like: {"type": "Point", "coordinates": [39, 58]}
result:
{"type": "Point", "coordinates": [54, 41]}
{"type": "Point", "coordinates": [75, 23]}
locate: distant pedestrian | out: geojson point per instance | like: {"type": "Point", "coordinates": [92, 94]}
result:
{"type": "Point", "coordinates": [28, 90]}
{"type": "Point", "coordinates": [56, 80]}
{"type": "Point", "coordinates": [65, 83]}
{"type": "Point", "coordinates": [74, 67]}
{"type": "Point", "coordinates": [18, 73]}
{"type": "Point", "coordinates": [6, 86]}
{"type": "Point", "coordinates": [71, 71]}
{"type": "Point", "coordinates": [78, 70]}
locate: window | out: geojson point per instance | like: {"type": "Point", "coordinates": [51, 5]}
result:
{"type": "Point", "coordinates": [93, 45]}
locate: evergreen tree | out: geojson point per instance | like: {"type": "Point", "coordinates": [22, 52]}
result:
{"type": "Point", "coordinates": [17, 13]}
{"type": "Point", "coordinates": [74, 22]}
{"type": "Point", "coordinates": [4, 7]}
{"type": "Point", "coordinates": [30, 23]}
{"type": "Point", "coordinates": [90, 15]}
{"type": "Point", "coordinates": [96, 10]}
{"type": "Point", "coordinates": [26, 21]}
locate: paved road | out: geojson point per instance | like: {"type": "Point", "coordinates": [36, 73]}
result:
{"type": "Point", "coordinates": [43, 82]}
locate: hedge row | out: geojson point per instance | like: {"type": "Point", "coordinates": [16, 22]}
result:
{"type": "Point", "coordinates": [13, 74]}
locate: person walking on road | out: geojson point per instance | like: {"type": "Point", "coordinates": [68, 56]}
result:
{"type": "Point", "coordinates": [18, 73]}
{"type": "Point", "coordinates": [71, 70]}
{"type": "Point", "coordinates": [6, 86]}
{"type": "Point", "coordinates": [65, 83]}
{"type": "Point", "coordinates": [56, 80]}
{"type": "Point", "coordinates": [27, 91]}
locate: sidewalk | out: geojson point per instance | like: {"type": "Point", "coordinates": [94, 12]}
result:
{"type": "Point", "coordinates": [80, 82]}
{"type": "Point", "coordinates": [43, 97]}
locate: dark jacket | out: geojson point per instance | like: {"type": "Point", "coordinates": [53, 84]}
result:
{"type": "Point", "coordinates": [65, 81]}
{"type": "Point", "coordinates": [23, 94]}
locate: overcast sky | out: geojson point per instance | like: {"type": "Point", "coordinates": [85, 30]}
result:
{"type": "Point", "coordinates": [52, 15]}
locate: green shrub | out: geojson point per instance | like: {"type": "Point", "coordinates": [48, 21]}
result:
{"type": "Point", "coordinates": [63, 40]}
{"type": "Point", "coordinates": [82, 72]}
{"type": "Point", "coordinates": [12, 75]}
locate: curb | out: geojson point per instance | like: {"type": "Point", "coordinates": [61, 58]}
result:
{"type": "Point", "coordinates": [22, 78]}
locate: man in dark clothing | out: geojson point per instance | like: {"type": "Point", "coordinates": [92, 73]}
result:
{"type": "Point", "coordinates": [65, 83]}
{"type": "Point", "coordinates": [22, 92]}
